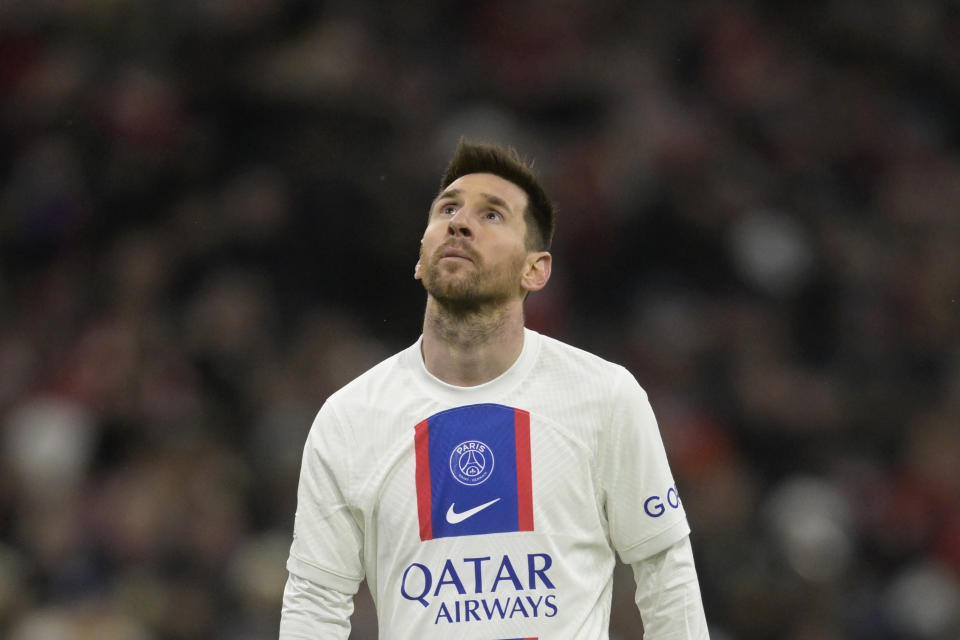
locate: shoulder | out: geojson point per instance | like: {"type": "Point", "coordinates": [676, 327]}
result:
{"type": "Point", "coordinates": [380, 380]}
{"type": "Point", "coordinates": [352, 403]}
{"type": "Point", "coordinates": [588, 382]}
{"type": "Point", "coordinates": [555, 354]}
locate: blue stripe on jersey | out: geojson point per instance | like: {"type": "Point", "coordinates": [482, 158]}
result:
{"type": "Point", "coordinates": [473, 470]}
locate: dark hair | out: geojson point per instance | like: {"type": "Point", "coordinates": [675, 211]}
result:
{"type": "Point", "coordinates": [505, 162]}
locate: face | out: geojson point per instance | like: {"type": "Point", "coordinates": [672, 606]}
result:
{"type": "Point", "coordinates": [473, 253]}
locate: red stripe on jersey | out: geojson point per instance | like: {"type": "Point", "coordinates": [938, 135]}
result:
{"type": "Point", "coordinates": [424, 497]}
{"type": "Point", "coordinates": [524, 479]}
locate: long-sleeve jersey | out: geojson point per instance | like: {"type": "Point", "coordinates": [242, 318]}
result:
{"type": "Point", "coordinates": [489, 512]}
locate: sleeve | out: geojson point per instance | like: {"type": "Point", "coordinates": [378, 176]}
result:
{"type": "Point", "coordinates": [668, 595]}
{"type": "Point", "coordinates": [328, 531]}
{"type": "Point", "coordinates": [643, 509]}
{"type": "Point", "coordinates": [314, 612]}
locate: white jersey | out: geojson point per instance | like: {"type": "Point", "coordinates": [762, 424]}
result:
{"type": "Point", "coordinates": [490, 512]}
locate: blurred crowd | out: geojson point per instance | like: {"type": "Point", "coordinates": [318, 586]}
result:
{"type": "Point", "coordinates": [209, 217]}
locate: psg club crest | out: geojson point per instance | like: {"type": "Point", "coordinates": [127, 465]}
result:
{"type": "Point", "coordinates": [473, 471]}
{"type": "Point", "coordinates": [471, 462]}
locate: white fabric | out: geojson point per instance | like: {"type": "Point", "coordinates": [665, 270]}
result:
{"type": "Point", "coordinates": [668, 595]}
{"type": "Point", "coordinates": [600, 484]}
{"type": "Point", "coordinates": [314, 612]}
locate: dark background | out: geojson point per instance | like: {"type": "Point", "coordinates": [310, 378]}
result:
{"type": "Point", "coordinates": [209, 217]}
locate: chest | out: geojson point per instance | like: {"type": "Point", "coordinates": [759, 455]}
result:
{"type": "Point", "coordinates": [484, 469]}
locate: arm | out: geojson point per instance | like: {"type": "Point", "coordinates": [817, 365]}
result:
{"type": "Point", "coordinates": [648, 526]}
{"type": "Point", "coordinates": [314, 612]}
{"type": "Point", "coordinates": [668, 595]}
{"type": "Point", "coordinates": [325, 557]}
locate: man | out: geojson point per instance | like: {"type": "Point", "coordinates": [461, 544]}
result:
{"type": "Point", "coordinates": [483, 479]}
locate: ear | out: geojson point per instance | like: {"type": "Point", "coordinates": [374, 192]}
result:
{"type": "Point", "coordinates": [537, 271]}
{"type": "Point", "coordinates": [416, 267]}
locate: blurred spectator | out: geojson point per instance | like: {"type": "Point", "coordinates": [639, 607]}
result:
{"type": "Point", "coordinates": [209, 214]}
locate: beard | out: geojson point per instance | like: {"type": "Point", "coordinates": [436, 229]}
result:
{"type": "Point", "coordinates": [470, 287]}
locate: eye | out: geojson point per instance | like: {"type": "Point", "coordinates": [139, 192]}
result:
{"type": "Point", "coordinates": [448, 209]}
{"type": "Point", "coordinates": [493, 215]}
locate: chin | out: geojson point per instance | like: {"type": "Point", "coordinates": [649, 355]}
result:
{"type": "Point", "coordinates": [458, 295]}
{"type": "Point", "coordinates": [465, 291]}
{"type": "Point", "coordinates": [455, 295]}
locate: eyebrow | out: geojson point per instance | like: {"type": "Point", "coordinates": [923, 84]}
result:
{"type": "Point", "coordinates": [489, 197]}
{"type": "Point", "coordinates": [449, 193]}
{"type": "Point", "coordinates": [496, 201]}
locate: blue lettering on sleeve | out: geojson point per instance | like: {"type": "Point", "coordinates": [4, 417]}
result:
{"type": "Point", "coordinates": [658, 507]}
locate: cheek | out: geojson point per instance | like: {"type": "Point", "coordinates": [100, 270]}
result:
{"type": "Point", "coordinates": [435, 233]}
{"type": "Point", "coordinates": [427, 244]}
{"type": "Point", "coordinates": [516, 250]}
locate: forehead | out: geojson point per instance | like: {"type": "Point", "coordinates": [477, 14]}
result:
{"type": "Point", "coordinates": [487, 185]}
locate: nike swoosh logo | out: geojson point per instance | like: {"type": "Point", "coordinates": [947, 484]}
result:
{"type": "Point", "coordinates": [453, 517]}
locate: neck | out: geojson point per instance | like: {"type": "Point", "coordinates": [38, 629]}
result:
{"type": "Point", "coordinates": [467, 348]}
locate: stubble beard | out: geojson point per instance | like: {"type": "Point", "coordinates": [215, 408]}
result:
{"type": "Point", "coordinates": [470, 289]}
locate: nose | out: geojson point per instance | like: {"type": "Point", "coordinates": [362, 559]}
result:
{"type": "Point", "coordinates": [459, 225]}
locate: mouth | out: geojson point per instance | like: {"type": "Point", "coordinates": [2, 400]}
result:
{"type": "Point", "coordinates": [456, 253]}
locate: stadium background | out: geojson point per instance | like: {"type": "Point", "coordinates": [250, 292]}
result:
{"type": "Point", "coordinates": [209, 215]}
